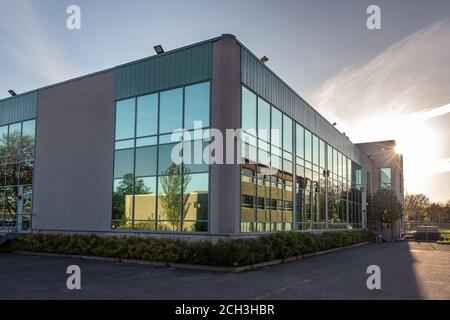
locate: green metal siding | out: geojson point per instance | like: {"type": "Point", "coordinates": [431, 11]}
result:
{"type": "Point", "coordinates": [18, 108]}
{"type": "Point", "coordinates": [269, 86]}
{"type": "Point", "coordinates": [192, 64]}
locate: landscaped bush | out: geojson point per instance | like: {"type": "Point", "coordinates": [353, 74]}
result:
{"type": "Point", "coordinates": [225, 253]}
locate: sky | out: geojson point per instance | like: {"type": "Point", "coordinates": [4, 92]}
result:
{"type": "Point", "coordinates": [392, 83]}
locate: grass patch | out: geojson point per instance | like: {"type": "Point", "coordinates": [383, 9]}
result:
{"type": "Point", "coordinates": [224, 253]}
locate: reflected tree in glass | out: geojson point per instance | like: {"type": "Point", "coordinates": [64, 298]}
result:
{"type": "Point", "coordinates": [170, 195]}
{"type": "Point", "coordinates": [124, 189]}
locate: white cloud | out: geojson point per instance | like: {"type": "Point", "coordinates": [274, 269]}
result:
{"type": "Point", "coordinates": [29, 43]}
{"type": "Point", "coordinates": [399, 94]}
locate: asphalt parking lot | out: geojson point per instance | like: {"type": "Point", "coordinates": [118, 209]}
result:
{"type": "Point", "coordinates": [409, 270]}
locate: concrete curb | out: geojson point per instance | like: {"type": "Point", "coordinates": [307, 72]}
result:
{"type": "Point", "coordinates": [193, 266]}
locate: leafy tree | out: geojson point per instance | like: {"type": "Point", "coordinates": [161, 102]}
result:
{"type": "Point", "coordinates": [174, 180]}
{"type": "Point", "coordinates": [416, 206]}
{"type": "Point", "coordinates": [386, 208]}
{"type": "Point", "coordinates": [124, 189]}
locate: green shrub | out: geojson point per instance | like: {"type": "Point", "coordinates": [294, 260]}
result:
{"type": "Point", "coordinates": [225, 253]}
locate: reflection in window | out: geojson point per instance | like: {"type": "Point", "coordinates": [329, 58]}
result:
{"type": "Point", "coordinates": [171, 110]}
{"type": "Point", "coordinates": [17, 143]}
{"type": "Point", "coordinates": [277, 128]}
{"type": "Point", "coordinates": [195, 202]}
{"type": "Point", "coordinates": [197, 105]}
{"type": "Point", "coordinates": [248, 111]}
{"type": "Point", "coordinates": [125, 117]}
{"type": "Point", "coordinates": [263, 120]}
{"type": "Point", "coordinates": [145, 203]}
{"type": "Point", "coordinates": [123, 163]}
{"type": "Point", "coordinates": [267, 200]}
{"type": "Point", "coordinates": [300, 141]}
{"type": "Point", "coordinates": [123, 202]}
{"type": "Point", "coordinates": [148, 186]}
{"type": "Point", "coordinates": [145, 161]}
{"type": "Point", "coordinates": [287, 133]}
{"type": "Point", "coordinates": [147, 115]}
{"type": "Point", "coordinates": [385, 178]}
{"type": "Point", "coordinates": [169, 200]}
{"type": "Point", "coordinates": [308, 146]}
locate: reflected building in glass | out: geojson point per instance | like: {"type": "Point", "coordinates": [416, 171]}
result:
{"type": "Point", "coordinates": [96, 154]}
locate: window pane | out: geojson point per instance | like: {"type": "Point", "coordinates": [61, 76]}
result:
{"type": "Point", "coordinates": [287, 133]}
{"type": "Point", "coordinates": [263, 120]}
{"type": "Point", "coordinates": [11, 201]}
{"type": "Point", "coordinates": [2, 203]}
{"type": "Point", "coordinates": [322, 154]}
{"type": "Point", "coordinates": [166, 166]}
{"type": "Point", "coordinates": [196, 161]}
{"type": "Point", "coordinates": [195, 201]}
{"type": "Point", "coordinates": [29, 129]}
{"type": "Point", "coordinates": [14, 138]}
{"type": "Point", "coordinates": [300, 141]}
{"type": "Point", "coordinates": [146, 161]}
{"type": "Point", "coordinates": [169, 201]}
{"type": "Point", "coordinates": [308, 146]}
{"type": "Point", "coordinates": [171, 110]}
{"type": "Point", "coordinates": [197, 105]}
{"type": "Point", "coordinates": [277, 130]}
{"type": "Point", "coordinates": [123, 163]}
{"type": "Point", "coordinates": [248, 111]}
{"type": "Point", "coordinates": [147, 115]}
{"type": "Point", "coordinates": [145, 199]}
{"type": "Point", "coordinates": [385, 176]}
{"type": "Point", "coordinates": [12, 174]}
{"type": "Point", "coordinates": [3, 137]}
{"type": "Point", "coordinates": [150, 141]}
{"type": "Point", "coordinates": [124, 144]}
{"type": "Point", "coordinates": [26, 173]}
{"type": "Point", "coordinates": [125, 117]}
{"type": "Point", "coordinates": [122, 201]}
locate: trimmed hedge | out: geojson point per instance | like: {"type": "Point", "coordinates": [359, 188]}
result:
{"type": "Point", "coordinates": [224, 253]}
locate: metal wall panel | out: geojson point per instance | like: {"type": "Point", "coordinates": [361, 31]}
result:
{"type": "Point", "coordinates": [269, 86]}
{"type": "Point", "coordinates": [192, 64]}
{"type": "Point", "coordinates": [18, 108]}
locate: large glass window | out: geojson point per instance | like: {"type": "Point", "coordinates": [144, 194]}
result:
{"type": "Point", "coordinates": [171, 111]}
{"type": "Point", "coordinates": [152, 191]}
{"type": "Point", "coordinates": [268, 196]}
{"type": "Point", "coordinates": [17, 142]}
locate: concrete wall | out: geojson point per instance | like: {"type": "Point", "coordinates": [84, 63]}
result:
{"type": "Point", "coordinates": [383, 155]}
{"type": "Point", "coordinates": [74, 155]}
{"type": "Point", "coordinates": [225, 110]}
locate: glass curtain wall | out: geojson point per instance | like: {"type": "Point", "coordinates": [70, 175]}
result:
{"type": "Point", "coordinates": [151, 191]}
{"type": "Point", "coordinates": [319, 173]}
{"type": "Point", "coordinates": [17, 145]}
